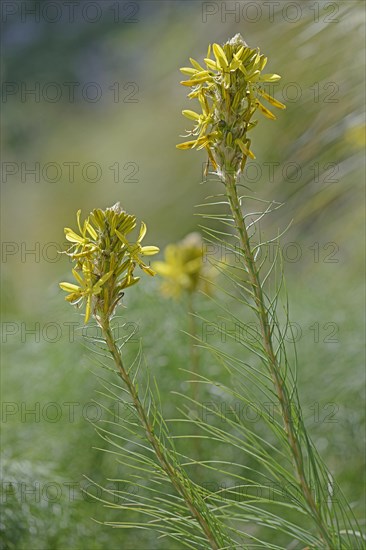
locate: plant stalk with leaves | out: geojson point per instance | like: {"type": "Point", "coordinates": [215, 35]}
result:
{"type": "Point", "coordinates": [105, 263]}
{"type": "Point", "coordinates": [230, 90]}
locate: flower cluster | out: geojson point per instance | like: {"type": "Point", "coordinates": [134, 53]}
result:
{"type": "Point", "coordinates": [229, 90]}
{"type": "Point", "coordinates": [104, 260]}
{"type": "Point", "coordinates": [184, 268]}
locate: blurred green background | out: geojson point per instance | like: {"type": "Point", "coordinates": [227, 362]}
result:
{"type": "Point", "coordinates": [100, 127]}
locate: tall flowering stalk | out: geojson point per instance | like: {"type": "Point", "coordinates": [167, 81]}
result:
{"type": "Point", "coordinates": [105, 261]}
{"type": "Point", "coordinates": [230, 89]}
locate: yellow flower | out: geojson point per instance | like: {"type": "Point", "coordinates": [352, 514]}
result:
{"type": "Point", "coordinates": [228, 92]}
{"type": "Point", "coordinates": [86, 290]}
{"type": "Point", "coordinates": [104, 260]}
{"type": "Point", "coordinates": [135, 250]}
{"type": "Point", "coordinates": [83, 241]}
{"type": "Point", "coordinates": [184, 268]}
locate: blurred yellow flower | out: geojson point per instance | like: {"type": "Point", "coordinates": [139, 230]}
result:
{"type": "Point", "coordinates": [184, 268]}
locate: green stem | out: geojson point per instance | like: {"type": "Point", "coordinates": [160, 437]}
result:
{"type": "Point", "coordinates": [214, 536]}
{"type": "Point", "coordinates": [194, 356]}
{"type": "Point", "coordinates": [274, 367]}
{"type": "Point", "coordinates": [193, 347]}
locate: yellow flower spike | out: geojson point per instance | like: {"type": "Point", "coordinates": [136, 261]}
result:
{"type": "Point", "coordinates": [104, 265]}
{"type": "Point", "coordinates": [229, 95]}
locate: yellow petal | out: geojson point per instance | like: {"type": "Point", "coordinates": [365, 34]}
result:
{"type": "Point", "coordinates": [78, 214]}
{"type": "Point", "coordinates": [271, 100]}
{"type": "Point", "coordinates": [77, 277]}
{"type": "Point", "coordinates": [263, 62]}
{"type": "Point", "coordinates": [72, 236]}
{"type": "Point", "coordinates": [102, 280]}
{"type": "Point", "coordinates": [87, 310]}
{"type": "Point", "coordinates": [148, 270]}
{"type": "Point", "coordinates": [211, 64]}
{"type": "Point", "coordinates": [195, 64]}
{"type": "Point", "coordinates": [142, 232]}
{"type": "Point", "coordinates": [267, 113]}
{"type": "Point", "coordinates": [195, 81]}
{"type": "Point", "coordinates": [220, 55]}
{"type": "Point", "coordinates": [237, 55]}
{"type": "Point", "coordinates": [244, 149]}
{"type": "Point", "coordinates": [91, 230]}
{"type": "Point", "coordinates": [186, 145]}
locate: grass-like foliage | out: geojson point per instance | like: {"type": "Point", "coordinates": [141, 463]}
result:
{"type": "Point", "coordinates": [248, 484]}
